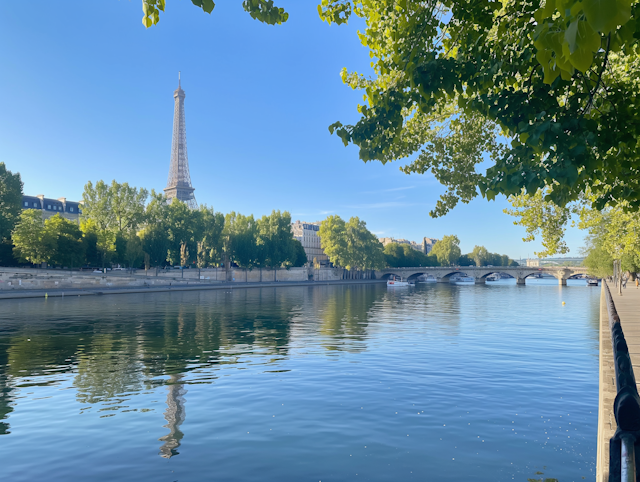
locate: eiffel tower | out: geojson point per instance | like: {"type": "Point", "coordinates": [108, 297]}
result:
{"type": "Point", "coordinates": [179, 183]}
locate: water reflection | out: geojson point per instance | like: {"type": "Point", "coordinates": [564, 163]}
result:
{"type": "Point", "coordinates": [293, 383]}
{"type": "Point", "coordinates": [118, 350]}
{"type": "Point", "coordinates": [174, 415]}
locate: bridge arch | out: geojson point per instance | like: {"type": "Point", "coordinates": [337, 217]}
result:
{"type": "Point", "coordinates": [497, 271]}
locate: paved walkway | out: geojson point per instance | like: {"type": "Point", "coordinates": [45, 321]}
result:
{"type": "Point", "coordinates": [628, 307]}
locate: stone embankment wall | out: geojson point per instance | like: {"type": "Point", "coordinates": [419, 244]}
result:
{"type": "Point", "coordinates": [51, 279]}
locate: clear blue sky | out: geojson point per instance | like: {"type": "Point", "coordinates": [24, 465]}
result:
{"type": "Point", "coordinates": [88, 95]}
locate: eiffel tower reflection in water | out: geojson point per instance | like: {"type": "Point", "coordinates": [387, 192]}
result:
{"type": "Point", "coordinates": [174, 415]}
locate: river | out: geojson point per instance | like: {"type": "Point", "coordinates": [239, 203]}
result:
{"type": "Point", "coordinates": [493, 382]}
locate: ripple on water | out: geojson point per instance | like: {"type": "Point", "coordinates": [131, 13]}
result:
{"type": "Point", "coordinates": [487, 382]}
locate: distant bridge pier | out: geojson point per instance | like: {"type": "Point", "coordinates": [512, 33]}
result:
{"type": "Point", "coordinates": [444, 279]}
{"type": "Point", "coordinates": [562, 277]}
{"type": "Point", "coordinates": [521, 281]}
{"type": "Point", "coordinates": [481, 281]}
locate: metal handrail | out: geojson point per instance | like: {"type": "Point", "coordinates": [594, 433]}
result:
{"type": "Point", "coordinates": [626, 406]}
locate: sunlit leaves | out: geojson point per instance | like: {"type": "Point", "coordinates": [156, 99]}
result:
{"type": "Point", "coordinates": [569, 32]}
{"type": "Point", "coordinates": [263, 10]}
{"type": "Point", "coordinates": [560, 88]}
{"type": "Point", "coordinates": [606, 15]}
{"type": "Point", "coordinates": [350, 244]}
{"type": "Point", "coordinates": [151, 10]}
{"type": "Point", "coordinates": [336, 11]}
{"type": "Point", "coordinates": [447, 250]}
{"type": "Point", "coordinates": [541, 217]}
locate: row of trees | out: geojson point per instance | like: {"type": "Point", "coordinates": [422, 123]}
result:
{"type": "Point", "coordinates": [612, 233]}
{"type": "Point", "coordinates": [447, 252]}
{"type": "Point", "coordinates": [125, 225]}
{"type": "Point", "coordinates": [129, 226]}
{"type": "Point", "coordinates": [351, 245]}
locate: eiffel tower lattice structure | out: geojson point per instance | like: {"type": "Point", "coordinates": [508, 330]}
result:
{"type": "Point", "coordinates": [179, 183]}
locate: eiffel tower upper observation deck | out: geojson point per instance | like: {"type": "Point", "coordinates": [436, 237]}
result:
{"type": "Point", "coordinates": [179, 183]}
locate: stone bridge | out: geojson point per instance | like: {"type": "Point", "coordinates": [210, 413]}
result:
{"type": "Point", "coordinates": [442, 274]}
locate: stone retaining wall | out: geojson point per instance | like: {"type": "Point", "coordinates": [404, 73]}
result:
{"type": "Point", "coordinates": [39, 279]}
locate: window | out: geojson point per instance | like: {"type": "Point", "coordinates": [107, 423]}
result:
{"type": "Point", "coordinates": [70, 209]}
{"type": "Point", "coordinates": [26, 204]}
{"type": "Point", "coordinates": [35, 205]}
{"type": "Point", "coordinates": [48, 206]}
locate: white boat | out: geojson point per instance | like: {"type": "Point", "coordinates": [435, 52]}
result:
{"type": "Point", "coordinates": [462, 280]}
{"type": "Point", "coordinates": [397, 281]}
{"type": "Point", "coordinates": [592, 282]}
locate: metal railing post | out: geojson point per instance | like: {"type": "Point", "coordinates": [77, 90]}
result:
{"type": "Point", "coordinates": [626, 406]}
{"type": "Point", "coordinates": [628, 459]}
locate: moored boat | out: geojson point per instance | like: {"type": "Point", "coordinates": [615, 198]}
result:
{"type": "Point", "coordinates": [592, 282]}
{"type": "Point", "coordinates": [397, 281]}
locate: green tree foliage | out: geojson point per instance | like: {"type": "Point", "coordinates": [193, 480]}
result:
{"type": "Point", "coordinates": [68, 248]}
{"type": "Point", "coordinates": [404, 256]}
{"type": "Point", "coordinates": [10, 201]}
{"type": "Point", "coordinates": [102, 241]}
{"type": "Point", "coordinates": [275, 243]}
{"type": "Point", "coordinates": [134, 254]}
{"type": "Point", "coordinates": [155, 244]}
{"type": "Point", "coordinates": [117, 208]}
{"type": "Point", "coordinates": [263, 10]}
{"type": "Point", "coordinates": [557, 80]}
{"type": "Point", "coordinates": [612, 231]}
{"type": "Point", "coordinates": [447, 250]}
{"type": "Point", "coordinates": [480, 255]}
{"type": "Point", "coordinates": [120, 249]}
{"type": "Point", "coordinates": [616, 231]}
{"type": "Point", "coordinates": [350, 245]}
{"type": "Point", "coordinates": [32, 242]}
{"type": "Point", "coordinates": [210, 250]}
{"type": "Point", "coordinates": [239, 240]}
{"type": "Point", "coordinates": [466, 260]}
{"type": "Point", "coordinates": [598, 261]}
{"type": "Point", "coordinates": [300, 257]}
{"type": "Point", "coordinates": [183, 231]}
{"type": "Point", "coordinates": [91, 252]}
{"type": "Point", "coordinates": [112, 212]}
{"type": "Point", "coordinates": [540, 216]}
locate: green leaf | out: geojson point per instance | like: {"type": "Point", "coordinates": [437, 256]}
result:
{"type": "Point", "coordinates": [571, 35]}
{"type": "Point", "coordinates": [208, 5]}
{"type": "Point", "coordinates": [605, 15]}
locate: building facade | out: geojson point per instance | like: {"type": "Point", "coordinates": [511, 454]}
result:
{"type": "Point", "coordinates": [307, 234]}
{"type": "Point", "coordinates": [70, 210]}
{"type": "Point", "coordinates": [425, 247]}
{"type": "Point", "coordinates": [427, 244]}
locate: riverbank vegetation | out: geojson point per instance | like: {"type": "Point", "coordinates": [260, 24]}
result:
{"type": "Point", "coordinates": [128, 226]}
{"type": "Point", "coordinates": [132, 227]}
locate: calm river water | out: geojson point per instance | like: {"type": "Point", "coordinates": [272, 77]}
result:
{"type": "Point", "coordinates": [492, 382]}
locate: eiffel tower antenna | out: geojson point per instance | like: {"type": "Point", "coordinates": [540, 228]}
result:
{"type": "Point", "coordinates": [179, 182]}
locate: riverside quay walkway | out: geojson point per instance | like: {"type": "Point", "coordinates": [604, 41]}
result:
{"type": "Point", "coordinates": [618, 397]}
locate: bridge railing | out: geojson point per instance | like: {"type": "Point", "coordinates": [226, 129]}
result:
{"type": "Point", "coordinates": [626, 406]}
